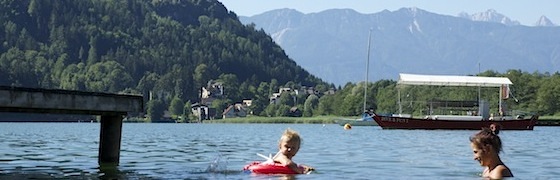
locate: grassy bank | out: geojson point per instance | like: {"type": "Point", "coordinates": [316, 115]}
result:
{"type": "Point", "coordinates": [549, 118]}
{"type": "Point", "coordinates": [548, 121]}
{"type": "Point", "coordinates": [285, 120]}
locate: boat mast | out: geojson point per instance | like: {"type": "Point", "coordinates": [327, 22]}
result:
{"type": "Point", "coordinates": [367, 70]}
{"type": "Point", "coordinates": [478, 85]}
{"type": "Point", "coordinates": [501, 112]}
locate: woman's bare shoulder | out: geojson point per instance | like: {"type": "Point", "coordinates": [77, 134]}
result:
{"type": "Point", "coordinates": [500, 171]}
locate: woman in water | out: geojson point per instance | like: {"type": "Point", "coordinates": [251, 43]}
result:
{"type": "Point", "coordinates": [486, 146]}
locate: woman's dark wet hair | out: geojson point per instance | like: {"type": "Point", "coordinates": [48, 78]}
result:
{"type": "Point", "coordinates": [487, 137]}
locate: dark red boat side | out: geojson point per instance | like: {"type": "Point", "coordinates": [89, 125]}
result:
{"type": "Point", "coordinates": [395, 122]}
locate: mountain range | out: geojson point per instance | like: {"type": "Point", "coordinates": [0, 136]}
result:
{"type": "Point", "coordinates": [333, 44]}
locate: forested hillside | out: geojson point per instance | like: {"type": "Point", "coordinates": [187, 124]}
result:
{"type": "Point", "coordinates": [167, 48]}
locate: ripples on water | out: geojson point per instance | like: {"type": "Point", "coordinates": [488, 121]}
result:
{"type": "Point", "coordinates": [219, 151]}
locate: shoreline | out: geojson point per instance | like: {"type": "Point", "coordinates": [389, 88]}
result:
{"type": "Point", "coordinates": [272, 120]}
{"type": "Point", "coordinates": [324, 120]}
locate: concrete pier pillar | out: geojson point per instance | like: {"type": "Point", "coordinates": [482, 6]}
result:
{"type": "Point", "coordinates": [110, 139]}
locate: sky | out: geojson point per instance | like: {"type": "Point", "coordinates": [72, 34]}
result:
{"type": "Point", "coordinates": [527, 12]}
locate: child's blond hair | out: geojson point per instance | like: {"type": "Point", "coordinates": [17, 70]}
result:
{"type": "Point", "coordinates": [290, 135]}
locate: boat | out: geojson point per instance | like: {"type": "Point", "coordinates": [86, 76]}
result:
{"type": "Point", "coordinates": [366, 118]}
{"type": "Point", "coordinates": [474, 121]}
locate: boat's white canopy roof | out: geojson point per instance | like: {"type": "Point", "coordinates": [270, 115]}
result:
{"type": "Point", "coordinates": [444, 80]}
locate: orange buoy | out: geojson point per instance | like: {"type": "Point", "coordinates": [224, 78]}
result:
{"type": "Point", "coordinates": [347, 126]}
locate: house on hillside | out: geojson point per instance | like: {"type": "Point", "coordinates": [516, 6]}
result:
{"type": "Point", "coordinates": [295, 112]}
{"type": "Point", "coordinates": [331, 91]}
{"type": "Point", "coordinates": [235, 110]}
{"type": "Point", "coordinates": [246, 104]}
{"type": "Point", "coordinates": [212, 91]}
{"type": "Point", "coordinates": [295, 92]}
{"type": "Point", "coordinates": [203, 112]}
{"type": "Point", "coordinates": [166, 118]}
{"type": "Point", "coordinates": [274, 98]}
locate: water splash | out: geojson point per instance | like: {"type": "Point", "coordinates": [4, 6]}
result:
{"type": "Point", "coordinates": [219, 166]}
{"type": "Point", "coordinates": [216, 165]}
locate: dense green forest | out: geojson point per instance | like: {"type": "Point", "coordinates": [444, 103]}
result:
{"type": "Point", "coordinates": [169, 49]}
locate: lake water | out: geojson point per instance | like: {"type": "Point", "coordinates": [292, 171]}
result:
{"type": "Point", "coordinates": [219, 151]}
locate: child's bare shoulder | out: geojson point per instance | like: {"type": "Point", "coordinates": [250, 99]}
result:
{"type": "Point", "coordinates": [282, 160]}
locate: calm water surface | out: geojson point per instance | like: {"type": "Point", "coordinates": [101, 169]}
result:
{"type": "Point", "coordinates": [219, 151]}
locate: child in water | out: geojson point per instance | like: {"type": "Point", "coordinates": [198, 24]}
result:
{"type": "Point", "coordinates": [486, 145]}
{"type": "Point", "coordinates": [288, 147]}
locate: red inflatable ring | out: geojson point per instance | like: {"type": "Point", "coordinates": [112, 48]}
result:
{"type": "Point", "coordinates": [269, 168]}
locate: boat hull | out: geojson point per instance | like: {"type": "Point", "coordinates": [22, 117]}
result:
{"type": "Point", "coordinates": [394, 122]}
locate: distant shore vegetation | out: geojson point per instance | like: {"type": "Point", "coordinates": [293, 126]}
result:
{"type": "Point", "coordinates": [277, 120]}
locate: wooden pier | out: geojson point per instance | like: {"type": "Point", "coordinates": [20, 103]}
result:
{"type": "Point", "coordinates": [111, 107]}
